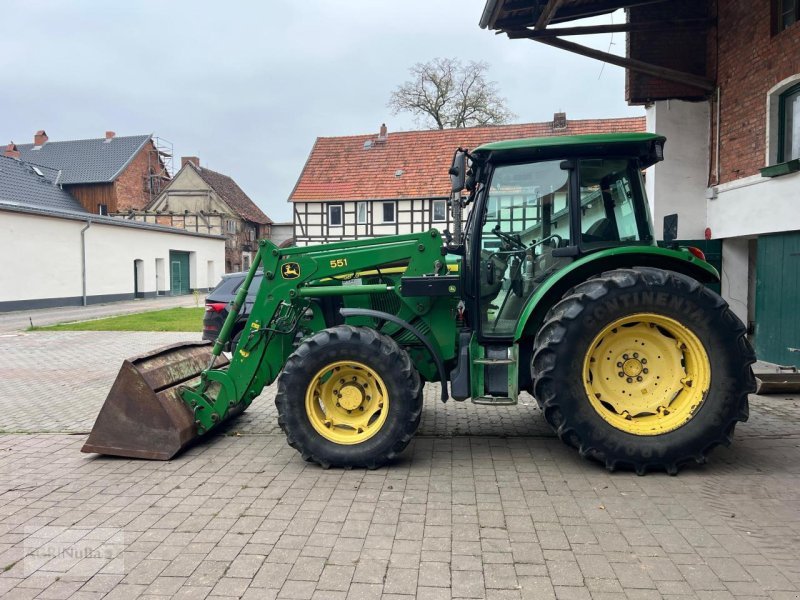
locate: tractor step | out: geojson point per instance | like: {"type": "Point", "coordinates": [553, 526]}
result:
{"type": "Point", "coordinates": [494, 400]}
{"type": "Point", "coordinates": [494, 361]}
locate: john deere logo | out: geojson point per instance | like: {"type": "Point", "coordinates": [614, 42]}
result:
{"type": "Point", "coordinates": [290, 270]}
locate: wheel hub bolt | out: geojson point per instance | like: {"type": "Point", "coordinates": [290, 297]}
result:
{"type": "Point", "coordinates": [635, 355]}
{"type": "Point", "coordinates": [645, 371]}
{"type": "Point", "coordinates": [630, 380]}
{"type": "Point", "coordinates": [639, 378]}
{"type": "Point", "coordinates": [644, 361]}
{"type": "Point", "coordinates": [619, 364]}
{"type": "Point", "coordinates": [621, 374]}
{"type": "Point", "coordinates": [625, 357]}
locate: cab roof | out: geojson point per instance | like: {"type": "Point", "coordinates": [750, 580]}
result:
{"type": "Point", "coordinates": [647, 147]}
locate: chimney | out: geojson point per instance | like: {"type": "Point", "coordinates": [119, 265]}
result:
{"type": "Point", "coordinates": [110, 135]}
{"type": "Point", "coordinates": [190, 159]}
{"type": "Point", "coordinates": [11, 151]}
{"type": "Point", "coordinates": [40, 138]}
{"type": "Point", "coordinates": [560, 120]}
{"type": "Point", "coordinates": [383, 133]}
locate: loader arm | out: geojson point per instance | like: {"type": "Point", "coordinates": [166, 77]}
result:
{"type": "Point", "coordinates": [292, 277]}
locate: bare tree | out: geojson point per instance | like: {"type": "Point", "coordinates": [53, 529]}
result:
{"type": "Point", "coordinates": [444, 93]}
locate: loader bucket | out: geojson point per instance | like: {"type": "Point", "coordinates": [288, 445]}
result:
{"type": "Point", "coordinates": [144, 415]}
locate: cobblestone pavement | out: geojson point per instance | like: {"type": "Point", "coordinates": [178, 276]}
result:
{"type": "Point", "coordinates": [485, 503]}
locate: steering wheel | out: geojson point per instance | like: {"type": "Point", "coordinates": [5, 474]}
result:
{"type": "Point", "coordinates": [512, 241]}
{"type": "Point", "coordinates": [553, 236]}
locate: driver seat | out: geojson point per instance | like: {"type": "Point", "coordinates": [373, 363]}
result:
{"type": "Point", "coordinates": [602, 230]}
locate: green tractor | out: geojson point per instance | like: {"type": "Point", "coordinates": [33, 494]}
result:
{"type": "Point", "coordinates": [553, 284]}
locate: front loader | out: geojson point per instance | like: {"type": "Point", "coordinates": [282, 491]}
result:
{"type": "Point", "coordinates": [553, 285]}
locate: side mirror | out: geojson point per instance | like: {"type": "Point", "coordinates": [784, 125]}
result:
{"type": "Point", "coordinates": [670, 228]}
{"type": "Point", "coordinates": [458, 171]}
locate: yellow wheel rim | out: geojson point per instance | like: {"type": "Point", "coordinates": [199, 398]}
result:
{"type": "Point", "coordinates": [347, 402]}
{"type": "Point", "coordinates": [646, 374]}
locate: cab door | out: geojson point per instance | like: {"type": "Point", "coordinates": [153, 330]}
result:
{"type": "Point", "coordinates": [525, 218]}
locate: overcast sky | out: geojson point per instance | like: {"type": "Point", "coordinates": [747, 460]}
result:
{"type": "Point", "coordinates": [249, 86]}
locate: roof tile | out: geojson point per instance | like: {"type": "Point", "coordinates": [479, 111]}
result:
{"type": "Point", "coordinates": [85, 161]}
{"type": "Point", "coordinates": [22, 185]}
{"type": "Point", "coordinates": [232, 195]}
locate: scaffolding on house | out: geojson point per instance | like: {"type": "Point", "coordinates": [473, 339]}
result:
{"type": "Point", "coordinates": [159, 167]}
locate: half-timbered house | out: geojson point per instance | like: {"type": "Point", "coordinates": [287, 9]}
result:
{"type": "Point", "coordinates": [364, 186]}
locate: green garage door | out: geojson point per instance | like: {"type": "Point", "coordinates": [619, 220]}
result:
{"type": "Point", "coordinates": [178, 273]}
{"type": "Point", "coordinates": [778, 298]}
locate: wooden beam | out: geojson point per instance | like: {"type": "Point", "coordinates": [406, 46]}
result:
{"type": "Point", "coordinates": [582, 11]}
{"type": "Point", "coordinates": [566, 13]}
{"type": "Point", "coordinates": [611, 28]}
{"type": "Point", "coordinates": [548, 12]}
{"type": "Point", "coordinates": [639, 66]}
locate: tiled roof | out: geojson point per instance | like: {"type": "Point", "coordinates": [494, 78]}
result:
{"type": "Point", "coordinates": [23, 190]}
{"type": "Point", "coordinates": [85, 161]}
{"type": "Point", "coordinates": [344, 168]}
{"type": "Point", "coordinates": [20, 184]}
{"type": "Point", "coordinates": [232, 195]}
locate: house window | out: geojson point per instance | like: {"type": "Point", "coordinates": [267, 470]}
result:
{"type": "Point", "coordinates": [783, 121]}
{"type": "Point", "coordinates": [388, 212]}
{"type": "Point", "coordinates": [335, 215]}
{"type": "Point", "coordinates": [102, 209]}
{"type": "Point", "coordinates": [789, 124]}
{"type": "Point", "coordinates": [439, 210]}
{"type": "Point", "coordinates": [230, 226]}
{"type": "Point", "coordinates": [361, 213]}
{"type": "Point", "coordinates": [785, 14]}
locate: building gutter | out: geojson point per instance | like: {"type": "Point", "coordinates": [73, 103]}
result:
{"type": "Point", "coordinates": [83, 259]}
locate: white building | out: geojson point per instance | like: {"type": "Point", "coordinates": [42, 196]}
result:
{"type": "Point", "coordinates": [58, 254]}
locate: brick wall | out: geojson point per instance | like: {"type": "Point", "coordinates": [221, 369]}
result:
{"type": "Point", "coordinates": [751, 62]}
{"type": "Point", "coordinates": [130, 185]}
{"type": "Point", "coordinates": [681, 49]}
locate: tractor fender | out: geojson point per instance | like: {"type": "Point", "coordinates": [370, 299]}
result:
{"type": "Point", "coordinates": [377, 314]}
{"type": "Point", "coordinates": [553, 288]}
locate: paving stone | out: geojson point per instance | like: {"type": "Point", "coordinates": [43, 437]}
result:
{"type": "Point", "coordinates": [485, 503]}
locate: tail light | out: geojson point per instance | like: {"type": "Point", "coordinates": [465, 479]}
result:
{"type": "Point", "coordinates": [215, 306]}
{"type": "Point", "coordinates": [697, 252]}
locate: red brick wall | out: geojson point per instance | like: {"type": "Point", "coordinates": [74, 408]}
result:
{"type": "Point", "coordinates": [751, 62]}
{"type": "Point", "coordinates": [130, 185]}
{"type": "Point", "coordinates": [681, 49]}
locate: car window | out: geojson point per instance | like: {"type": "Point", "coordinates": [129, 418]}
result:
{"type": "Point", "coordinates": [225, 289]}
{"type": "Point", "coordinates": [254, 285]}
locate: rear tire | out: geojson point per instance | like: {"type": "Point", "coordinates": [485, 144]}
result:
{"type": "Point", "coordinates": [591, 375]}
{"type": "Point", "coordinates": [349, 397]}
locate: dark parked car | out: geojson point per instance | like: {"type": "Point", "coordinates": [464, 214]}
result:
{"type": "Point", "coordinates": [219, 301]}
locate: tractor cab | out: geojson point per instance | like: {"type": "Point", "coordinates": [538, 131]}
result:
{"type": "Point", "coordinates": [539, 204]}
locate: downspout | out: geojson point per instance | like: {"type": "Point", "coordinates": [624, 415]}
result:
{"type": "Point", "coordinates": [716, 153]}
{"type": "Point", "coordinates": [83, 258]}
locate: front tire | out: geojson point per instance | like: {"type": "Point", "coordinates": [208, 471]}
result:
{"type": "Point", "coordinates": [643, 368]}
{"type": "Point", "coordinates": [349, 397]}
